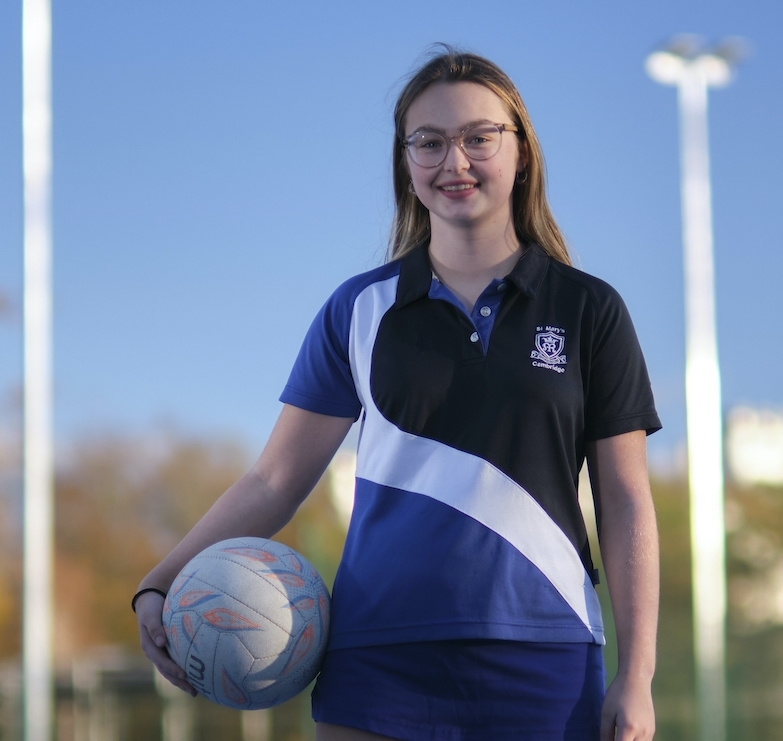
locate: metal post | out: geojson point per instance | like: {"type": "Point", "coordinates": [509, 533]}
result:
{"type": "Point", "coordinates": [703, 404]}
{"type": "Point", "coordinates": [684, 65]}
{"type": "Point", "coordinates": [38, 468]}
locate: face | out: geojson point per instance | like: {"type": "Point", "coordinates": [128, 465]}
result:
{"type": "Point", "coordinates": [461, 191]}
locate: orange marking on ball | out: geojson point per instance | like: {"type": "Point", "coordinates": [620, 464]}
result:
{"type": "Point", "coordinates": [174, 637]}
{"type": "Point", "coordinates": [302, 648]}
{"type": "Point", "coordinates": [231, 690]}
{"type": "Point", "coordinates": [226, 619]}
{"type": "Point", "coordinates": [254, 554]}
{"type": "Point", "coordinates": [292, 580]}
{"type": "Point", "coordinates": [179, 585]}
{"type": "Point", "coordinates": [190, 598]}
{"type": "Point", "coordinates": [293, 563]}
{"type": "Point", "coordinates": [187, 626]}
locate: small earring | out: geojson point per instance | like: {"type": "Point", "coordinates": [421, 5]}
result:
{"type": "Point", "coordinates": [411, 189]}
{"type": "Point", "coordinates": [522, 176]}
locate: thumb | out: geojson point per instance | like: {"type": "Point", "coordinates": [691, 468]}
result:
{"type": "Point", "coordinates": [160, 639]}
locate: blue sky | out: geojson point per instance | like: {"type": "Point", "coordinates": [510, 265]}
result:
{"type": "Point", "coordinates": [221, 167]}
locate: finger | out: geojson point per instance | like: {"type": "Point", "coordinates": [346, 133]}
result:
{"type": "Point", "coordinates": [164, 664]}
{"type": "Point", "coordinates": [150, 620]}
{"type": "Point", "coordinates": [171, 671]}
{"type": "Point", "coordinates": [624, 733]}
{"type": "Point", "coordinates": [153, 642]}
{"type": "Point", "coordinates": [158, 637]}
{"type": "Point", "coordinates": [177, 681]}
{"type": "Point", "coordinates": [607, 728]}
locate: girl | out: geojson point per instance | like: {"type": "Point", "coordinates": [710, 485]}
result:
{"type": "Point", "coordinates": [486, 370]}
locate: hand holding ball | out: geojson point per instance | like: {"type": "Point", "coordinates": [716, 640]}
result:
{"type": "Point", "coordinates": [247, 619]}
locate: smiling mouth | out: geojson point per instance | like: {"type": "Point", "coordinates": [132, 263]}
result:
{"type": "Point", "coordinates": [463, 186]}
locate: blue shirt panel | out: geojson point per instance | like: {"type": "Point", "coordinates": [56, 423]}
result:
{"type": "Point", "coordinates": [321, 379]}
{"type": "Point", "coordinates": [435, 582]}
{"type": "Point", "coordinates": [484, 311]}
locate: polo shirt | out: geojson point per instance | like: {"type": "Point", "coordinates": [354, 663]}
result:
{"type": "Point", "coordinates": [466, 521]}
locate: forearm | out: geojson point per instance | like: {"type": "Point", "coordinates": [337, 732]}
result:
{"type": "Point", "coordinates": [629, 547]}
{"type": "Point", "coordinates": [266, 498]}
{"type": "Point", "coordinates": [300, 447]}
{"type": "Point", "coordinates": [248, 508]}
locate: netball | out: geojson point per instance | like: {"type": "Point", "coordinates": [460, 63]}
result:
{"type": "Point", "coordinates": [247, 619]}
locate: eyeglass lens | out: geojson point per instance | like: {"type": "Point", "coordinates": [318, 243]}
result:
{"type": "Point", "coordinates": [479, 142]}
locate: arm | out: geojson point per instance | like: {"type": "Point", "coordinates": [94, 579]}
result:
{"type": "Point", "coordinates": [629, 546]}
{"type": "Point", "coordinates": [300, 447]}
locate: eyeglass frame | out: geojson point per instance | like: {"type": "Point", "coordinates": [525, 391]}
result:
{"type": "Point", "coordinates": [458, 140]}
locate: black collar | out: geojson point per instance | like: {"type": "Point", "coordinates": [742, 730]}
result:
{"type": "Point", "coordinates": [416, 274]}
{"type": "Point", "coordinates": [528, 274]}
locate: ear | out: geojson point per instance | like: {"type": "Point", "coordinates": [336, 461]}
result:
{"type": "Point", "coordinates": [404, 158]}
{"type": "Point", "coordinates": [524, 155]}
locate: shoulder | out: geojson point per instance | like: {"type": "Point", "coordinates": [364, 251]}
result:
{"type": "Point", "coordinates": [601, 304]}
{"type": "Point", "coordinates": [540, 276]}
{"type": "Point", "coordinates": [347, 292]}
{"type": "Point", "coordinates": [602, 311]}
{"type": "Point", "coordinates": [598, 291]}
{"type": "Point", "coordinates": [336, 315]}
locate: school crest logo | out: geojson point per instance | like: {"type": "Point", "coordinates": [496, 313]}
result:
{"type": "Point", "coordinates": [550, 344]}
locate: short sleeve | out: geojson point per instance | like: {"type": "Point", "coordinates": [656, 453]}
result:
{"type": "Point", "coordinates": [321, 380]}
{"type": "Point", "coordinates": [619, 397]}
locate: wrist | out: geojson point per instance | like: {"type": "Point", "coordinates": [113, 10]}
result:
{"type": "Point", "coordinates": [145, 590]}
{"type": "Point", "coordinates": [641, 676]}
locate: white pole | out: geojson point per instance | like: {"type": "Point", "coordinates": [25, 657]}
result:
{"type": "Point", "coordinates": [692, 74]}
{"type": "Point", "coordinates": [38, 468]}
{"type": "Point", "coordinates": [703, 404]}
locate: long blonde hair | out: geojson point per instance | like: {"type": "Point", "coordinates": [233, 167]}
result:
{"type": "Point", "coordinates": [533, 220]}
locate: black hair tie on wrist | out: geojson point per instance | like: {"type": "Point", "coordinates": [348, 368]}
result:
{"type": "Point", "coordinates": [144, 591]}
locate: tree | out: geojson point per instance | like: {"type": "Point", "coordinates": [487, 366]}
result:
{"type": "Point", "coordinates": [121, 504]}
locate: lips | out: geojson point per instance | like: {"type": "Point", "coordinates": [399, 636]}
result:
{"type": "Point", "coordinates": [457, 187]}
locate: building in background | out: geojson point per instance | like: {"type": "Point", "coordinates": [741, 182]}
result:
{"type": "Point", "coordinates": [754, 446]}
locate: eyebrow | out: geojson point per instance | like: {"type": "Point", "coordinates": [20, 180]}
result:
{"type": "Point", "coordinates": [429, 127]}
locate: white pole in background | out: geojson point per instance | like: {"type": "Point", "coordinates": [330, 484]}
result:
{"type": "Point", "coordinates": [684, 64]}
{"type": "Point", "coordinates": [38, 468]}
{"type": "Point", "coordinates": [704, 409]}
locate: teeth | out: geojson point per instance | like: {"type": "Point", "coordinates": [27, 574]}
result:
{"type": "Point", "coordinates": [465, 186]}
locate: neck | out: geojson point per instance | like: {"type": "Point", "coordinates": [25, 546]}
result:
{"type": "Point", "coordinates": [473, 250]}
{"type": "Point", "coordinates": [467, 263]}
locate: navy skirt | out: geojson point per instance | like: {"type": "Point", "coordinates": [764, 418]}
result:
{"type": "Point", "coordinates": [465, 690]}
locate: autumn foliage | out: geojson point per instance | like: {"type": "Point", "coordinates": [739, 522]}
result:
{"type": "Point", "coordinates": [121, 504]}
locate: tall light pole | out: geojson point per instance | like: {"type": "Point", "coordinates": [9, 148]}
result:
{"type": "Point", "coordinates": [692, 69]}
{"type": "Point", "coordinates": [38, 477]}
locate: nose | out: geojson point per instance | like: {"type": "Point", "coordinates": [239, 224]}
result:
{"type": "Point", "coordinates": [456, 160]}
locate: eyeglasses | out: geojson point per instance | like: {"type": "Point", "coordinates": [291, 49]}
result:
{"type": "Point", "coordinates": [478, 142]}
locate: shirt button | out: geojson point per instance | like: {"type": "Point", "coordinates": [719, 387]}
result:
{"type": "Point", "coordinates": [485, 311]}
{"type": "Point", "coordinates": [474, 337]}
{"type": "Point", "coordinates": [502, 287]}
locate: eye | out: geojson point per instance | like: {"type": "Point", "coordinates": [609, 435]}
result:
{"type": "Point", "coordinates": [427, 141]}
{"type": "Point", "coordinates": [480, 136]}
